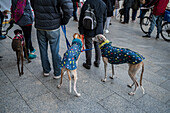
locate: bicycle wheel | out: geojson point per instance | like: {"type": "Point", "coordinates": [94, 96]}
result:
{"type": "Point", "coordinates": [165, 32]}
{"type": "Point", "coordinates": [145, 24]}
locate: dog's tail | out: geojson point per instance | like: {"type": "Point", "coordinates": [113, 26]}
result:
{"type": "Point", "coordinates": [141, 78]}
{"type": "Point", "coordinates": [141, 74]}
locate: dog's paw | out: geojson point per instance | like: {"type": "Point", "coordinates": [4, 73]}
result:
{"type": "Point", "coordinates": [78, 94]}
{"type": "Point", "coordinates": [103, 80]}
{"type": "Point", "coordinates": [130, 86]}
{"type": "Point", "coordinates": [131, 93]}
{"type": "Point", "coordinates": [59, 86]}
{"type": "Point", "coordinates": [110, 77]}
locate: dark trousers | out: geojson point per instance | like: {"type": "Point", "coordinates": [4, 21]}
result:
{"type": "Point", "coordinates": [75, 10]}
{"type": "Point", "coordinates": [88, 45]}
{"type": "Point", "coordinates": [27, 35]}
{"type": "Point", "coordinates": [1, 21]}
{"type": "Point", "coordinates": [134, 12]}
{"type": "Point", "coordinates": [126, 14]}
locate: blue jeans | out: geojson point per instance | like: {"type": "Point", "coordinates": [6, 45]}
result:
{"type": "Point", "coordinates": [53, 37]}
{"type": "Point", "coordinates": [155, 20]}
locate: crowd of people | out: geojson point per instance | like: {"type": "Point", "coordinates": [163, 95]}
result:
{"type": "Point", "coordinates": [49, 15]}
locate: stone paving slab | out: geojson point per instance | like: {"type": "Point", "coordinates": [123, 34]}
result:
{"type": "Point", "coordinates": [151, 105]}
{"type": "Point", "coordinates": [34, 93]}
{"type": "Point", "coordinates": [14, 103]}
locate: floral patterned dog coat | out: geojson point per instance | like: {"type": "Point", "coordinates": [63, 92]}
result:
{"type": "Point", "coordinates": [71, 55]}
{"type": "Point", "coordinates": [117, 55]}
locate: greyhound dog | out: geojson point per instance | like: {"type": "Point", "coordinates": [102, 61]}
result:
{"type": "Point", "coordinates": [17, 45]}
{"type": "Point", "coordinates": [70, 60]}
{"type": "Point", "coordinates": [115, 55]}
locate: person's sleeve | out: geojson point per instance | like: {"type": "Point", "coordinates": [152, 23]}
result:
{"type": "Point", "coordinates": [67, 9]}
{"type": "Point", "coordinates": [80, 26]}
{"type": "Point", "coordinates": [101, 21]}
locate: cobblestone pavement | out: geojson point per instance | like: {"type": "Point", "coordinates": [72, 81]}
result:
{"type": "Point", "coordinates": [33, 93]}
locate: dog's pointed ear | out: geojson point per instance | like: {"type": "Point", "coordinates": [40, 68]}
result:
{"type": "Point", "coordinates": [76, 35]}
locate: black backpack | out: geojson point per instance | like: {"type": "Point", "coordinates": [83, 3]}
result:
{"type": "Point", "coordinates": [89, 20]}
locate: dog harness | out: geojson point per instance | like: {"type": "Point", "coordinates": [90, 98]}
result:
{"type": "Point", "coordinates": [20, 37]}
{"type": "Point", "coordinates": [71, 55]}
{"type": "Point", "coordinates": [117, 55]}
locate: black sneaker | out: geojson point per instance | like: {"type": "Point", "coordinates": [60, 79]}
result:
{"type": "Point", "coordinates": [157, 37]}
{"type": "Point", "coordinates": [86, 66]}
{"type": "Point", "coordinates": [96, 64]}
{"type": "Point", "coordinates": [146, 36]}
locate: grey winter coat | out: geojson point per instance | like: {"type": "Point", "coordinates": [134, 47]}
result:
{"type": "Point", "coordinates": [50, 14]}
{"type": "Point", "coordinates": [27, 17]}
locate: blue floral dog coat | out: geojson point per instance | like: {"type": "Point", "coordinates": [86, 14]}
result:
{"type": "Point", "coordinates": [117, 55]}
{"type": "Point", "coordinates": [71, 55]}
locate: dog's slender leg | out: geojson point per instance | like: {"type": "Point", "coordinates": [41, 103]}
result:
{"type": "Point", "coordinates": [132, 72]}
{"type": "Point", "coordinates": [105, 69]}
{"type": "Point", "coordinates": [26, 54]}
{"type": "Point", "coordinates": [62, 73]}
{"type": "Point", "coordinates": [130, 85]}
{"type": "Point", "coordinates": [68, 73]}
{"type": "Point", "coordinates": [22, 60]}
{"type": "Point", "coordinates": [111, 77]}
{"type": "Point", "coordinates": [75, 81]}
{"type": "Point", "coordinates": [18, 61]}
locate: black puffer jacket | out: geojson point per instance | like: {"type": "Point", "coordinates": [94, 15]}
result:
{"type": "Point", "coordinates": [50, 14]}
{"type": "Point", "coordinates": [101, 15]}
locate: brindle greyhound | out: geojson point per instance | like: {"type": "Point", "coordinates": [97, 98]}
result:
{"type": "Point", "coordinates": [17, 45]}
{"type": "Point", "coordinates": [115, 55]}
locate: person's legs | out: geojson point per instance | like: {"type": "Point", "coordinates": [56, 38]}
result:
{"type": "Point", "coordinates": [88, 44]}
{"type": "Point", "coordinates": [126, 15]}
{"type": "Point", "coordinates": [43, 47]}
{"type": "Point", "coordinates": [26, 36]}
{"type": "Point", "coordinates": [134, 12]}
{"type": "Point", "coordinates": [1, 21]}
{"type": "Point", "coordinates": [159, 23]}
{"type": "Point", "coordinates": [107, 24]}
{"type": "Point", "coordinates": [152, 25]}
{"type": "Point", "coordinates": [75, 11]}
{"type": "Point", "coordinates": [54, 40]}
{"type": "Point", "coordinates": [97, 53]}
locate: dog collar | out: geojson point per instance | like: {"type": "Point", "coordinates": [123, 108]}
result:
{"type": "Point", "coordinates": [106, 41]}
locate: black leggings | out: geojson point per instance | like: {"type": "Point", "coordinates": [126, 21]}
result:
{"type": "Point", "coordinates": [27, 35]}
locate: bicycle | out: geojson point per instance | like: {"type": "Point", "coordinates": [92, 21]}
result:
{"type": "Point", "coordinates": [145, 22]}
{"type": "Point", "coordinates": [165, 27]}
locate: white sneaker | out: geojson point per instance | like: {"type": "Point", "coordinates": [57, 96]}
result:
{"type": "Point", "coordinates": [107, 31]}
{"type": "Point", "coordinates": [57, 77]}
{"type": "Point", "coordinates": [46, 74]}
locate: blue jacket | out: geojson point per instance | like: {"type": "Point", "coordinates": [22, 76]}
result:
{"type": "Point", "coordinates": [71, 55]}
{"type": "Point", "coordinates": [117, 55]}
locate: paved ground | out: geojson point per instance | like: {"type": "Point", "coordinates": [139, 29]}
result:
{"type": "Point", "coordinates": [33, 93]}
